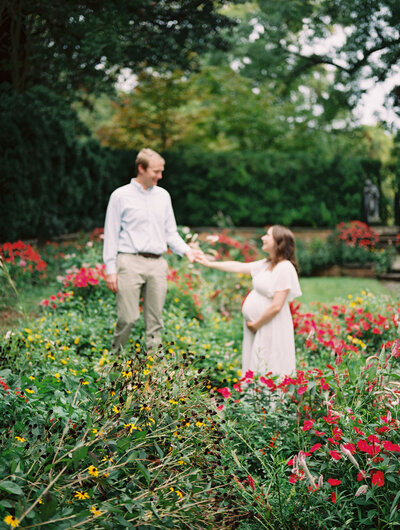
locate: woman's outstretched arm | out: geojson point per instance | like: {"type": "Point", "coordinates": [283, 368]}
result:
{"type": "Point", "coordinates": [226, 266]}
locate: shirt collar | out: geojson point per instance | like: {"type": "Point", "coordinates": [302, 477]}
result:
{"type": "Point", "coordinates": [138, 186]}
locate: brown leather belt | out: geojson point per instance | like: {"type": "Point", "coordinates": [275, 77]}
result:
{"type": "Point", "coordinates": [149, 255]}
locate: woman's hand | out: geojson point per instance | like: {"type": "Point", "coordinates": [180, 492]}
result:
{"type": "Point", "coordinates": [252, 326]}
{"type": "Point", "coordinates": [203, 260]}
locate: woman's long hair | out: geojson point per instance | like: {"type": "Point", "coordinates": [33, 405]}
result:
{"type": "Point", "coordinates": [285, 246]}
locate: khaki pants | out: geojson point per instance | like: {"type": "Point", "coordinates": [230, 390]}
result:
{"type": "Point", "coordinates": [139, 275]}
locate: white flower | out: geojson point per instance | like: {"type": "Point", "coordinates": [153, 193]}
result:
{"type": "Point", "coordinates": [362, 490]}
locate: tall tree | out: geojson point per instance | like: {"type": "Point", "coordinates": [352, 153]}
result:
{"type": "Point", "coordinates": [83, 44]}
{"type": "Point", "coordinates": [346, 41]}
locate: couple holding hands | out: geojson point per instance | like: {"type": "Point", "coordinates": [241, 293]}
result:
{"type": "Point", "coordinates": [140, 226]}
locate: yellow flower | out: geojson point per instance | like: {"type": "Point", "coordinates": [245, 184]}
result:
{"type": "Point", "coordinates": [95, 511]}
{"type": "Point", "coordinates": [127, 374]}
{"type": "Point", "coordinates": [80, 495]}
{"type": "Point", "coordinates": [145, 408]}
{"type": "Point", "coordinates": [179, 493]}
{"type": "Point", "coordinates": [57, 375]}
{"type": "Point", "coordinates": [31, 377]}
{"type": "Point", "coordinates": [132, 427]}
{"type": "Point", "coordinates": [199, 424]}
{"type": "Point", "coordinates": [93, 471]}
{"type": "Point", "coordinates": [20, 439]}
{"type": "Point", "coordinates": [145, 372]}
{"type": "Point", "coordinates": [29, 390]}
{"type": "Point", "coordinates": [76, 341]}
{"type": "Point", "coordinates": [115, 409]}
{"type": "Point", "coordinates": [85, 382]}
{"type": "Point", "coordinates": [173, 401]}
{"type": "Point", "coordinates": [11, 520]}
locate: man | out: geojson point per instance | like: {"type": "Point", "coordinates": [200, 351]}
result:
{"type": "Point", "coordinates": [139, 225]}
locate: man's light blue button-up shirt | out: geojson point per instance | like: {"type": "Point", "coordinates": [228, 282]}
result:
{"type": "Point", "coordinates": [140, 220]}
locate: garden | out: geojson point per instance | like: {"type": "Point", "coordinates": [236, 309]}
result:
{"type": "Point", "coordinates": [181, 438]}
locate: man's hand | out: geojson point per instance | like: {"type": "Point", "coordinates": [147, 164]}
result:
{"type": "Point", "coordinates": [252, 326]}
{"type": "Point", "coordinates": [193, 254]}
{"type": "Point", "coordinates": [112, 282]}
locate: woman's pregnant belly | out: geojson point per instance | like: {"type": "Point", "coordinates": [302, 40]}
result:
{"type": "Point", "coordinates": [254, 305]}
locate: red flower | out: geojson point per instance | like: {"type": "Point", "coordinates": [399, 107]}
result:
{"type": "Point", "coordinates": [249, 374]}
{"type": "Point", "coordinates": [361, 475]}
{"type": "Point", "coordinates": [378, 479]}
{"type": "Point", "coordinates": [334, 481]}
{"type": "Point", "coordinates": [335, 454]}
{"type": "Point", "coordinates": [319, 433]}
{"type": "Point", "coordinates": [307, 425]}
{"type": "Point", "coordinates": [225, 392]}
{"type": "Point", "coordinates": [350, 447]}
{"type": "Point", "coordinates": [315, 447]}
{"type": "Point", "coordinates": [333, 497]}
{"type": "Point", "coordinates": [389, 446]}
{"type": "Point", "coordinates": [251, 482]}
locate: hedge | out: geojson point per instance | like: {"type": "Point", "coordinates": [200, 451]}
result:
{"type": "Point", "coordinates": [55, 179]}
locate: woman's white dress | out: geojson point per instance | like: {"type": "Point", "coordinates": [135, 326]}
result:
{"type": "Point", "coordinates": [272, 348]}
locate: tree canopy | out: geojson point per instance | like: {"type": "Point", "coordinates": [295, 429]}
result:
{"type": "Point", "coordinates": [84, 44]}
{"type": "Point", "coordinates": [346, 42]}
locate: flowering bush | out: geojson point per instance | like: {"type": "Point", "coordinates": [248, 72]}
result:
{"type": "Point", "coordinates": [224, 246]}
{"type": "Point", "coordinates": [96, 441]}
{"type": "Point", "coordinates": [24, 262]}
{"type": "Point", "coordinates": [357, 234]}
{"type": "Point", "coordinates": [336, 428]}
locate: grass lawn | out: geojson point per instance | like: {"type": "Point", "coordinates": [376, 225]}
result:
{"type": "Point", "coordinates": [330, 289]}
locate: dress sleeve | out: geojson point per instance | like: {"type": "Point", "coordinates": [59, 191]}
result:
{"type": "Point", "coordinates": [257, 266]}
{"type": "Point", "coordinates": [285, 277]}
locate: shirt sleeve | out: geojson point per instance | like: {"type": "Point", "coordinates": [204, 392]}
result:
{"type": "Point", "coordinates": [286, 278]}
{"type": "Point", "coordinates": [174, 240]}
{"type": "Point", "coordinates": [112, 227]}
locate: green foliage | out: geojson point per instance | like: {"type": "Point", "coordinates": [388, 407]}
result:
{"type": "Point", "coordinates": [258, 188]}
{"type": "Point", "coordinates": [285, 48]}
{"type": "Point", "coordinates": [51, 181]}
{"type": "Point", "coordinates": [84, 45]}
{"type": "Point", "coordinates": [138, 440]}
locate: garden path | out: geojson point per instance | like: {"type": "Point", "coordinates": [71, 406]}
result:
{"type": "Point", "coordinates": [394, 287]}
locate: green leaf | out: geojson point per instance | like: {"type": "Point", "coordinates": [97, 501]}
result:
{"type": "Point", "coordinates": [49, 506]}
{"type": "Point", "coordinates": [144, 471]}
{"type": "Point", "coordinates": [11, 487]}
{"type": "Point", "coordinates": [80, 454]}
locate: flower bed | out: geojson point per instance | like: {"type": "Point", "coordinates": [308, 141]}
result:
{"type": "Point", "coordinates": [182, 439]}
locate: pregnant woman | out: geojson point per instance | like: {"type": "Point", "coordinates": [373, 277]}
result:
{"type": "Point", "coordinates": [268, 335]}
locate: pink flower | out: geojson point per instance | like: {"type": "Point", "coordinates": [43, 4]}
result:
{"type": "Point", "coordinates": [249, 374]}
{"type": "Point", "coordinates": [225, 392]}
{"type": "Point", "coordinates": [396, 350]}
{"type": "Point", "coordinates": [302, 389]}
{"type": "Point", "coordinates": [362, 490]}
